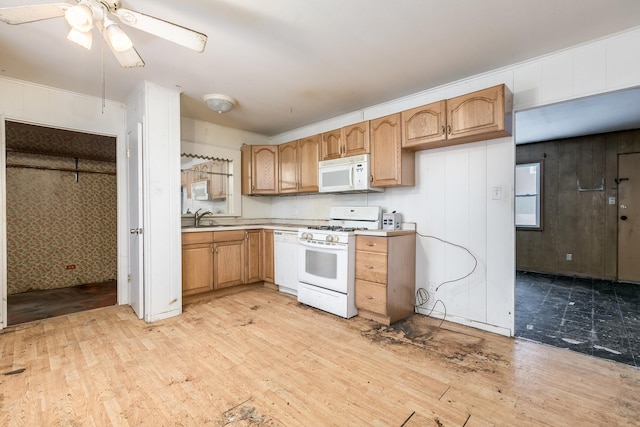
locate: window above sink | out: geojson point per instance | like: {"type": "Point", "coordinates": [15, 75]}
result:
{"type": "Point", "coordinates": [210, 180]}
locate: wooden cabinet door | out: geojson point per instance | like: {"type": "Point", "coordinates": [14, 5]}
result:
{"type": "Point", "coordinates": [228, 268]}
{"type": "Point", "coordinates": [425, 126]}
{"type": "Point", "coordinates": [356, 139]}
{"type": "Point", "coordinates": [253, 259]}
{"type": "Point", "coordinates": [390, 165]}
{"type": "Point", "coordinates": [308, 158]}
{"type": "Point", "coordinates": [268, 272]}
{"type": "Point", "coordinates": [264, 177]}
{"type": "Point", "coordinates": [332, 145]}
{"type": "Point", "coordinates": [288, 167]}
{"type": "Point", "coordinates": [477, 113]}
{"type": "Point", "coordinates": [197, 268]}
{"type": "Point", "coordinates": [246, 169]}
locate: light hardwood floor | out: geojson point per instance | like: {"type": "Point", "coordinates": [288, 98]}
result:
{"type": "Point", "coordinates": [257, 357]}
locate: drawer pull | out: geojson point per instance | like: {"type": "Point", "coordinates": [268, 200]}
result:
{"type": "Point", "coordinates": [369, 267]}
{"type": "Point", "coordinates": [371, 244]}
{"type": "Point", "coordinates": [369, 297]}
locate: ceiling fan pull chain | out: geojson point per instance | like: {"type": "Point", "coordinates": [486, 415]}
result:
{"type": "Point", "coordinates": [104, 90]}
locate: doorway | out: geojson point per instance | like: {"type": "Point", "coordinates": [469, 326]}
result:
{"type": "Point", "coordinates": [61, 210]}
{"type": "Point", "coordinates": [572, 287]}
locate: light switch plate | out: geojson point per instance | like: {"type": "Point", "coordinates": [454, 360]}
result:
{"type": "Point", "coordinates": [496, 193]}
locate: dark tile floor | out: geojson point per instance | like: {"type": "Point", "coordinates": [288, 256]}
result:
{"type": "Point", "coordinates": [596, 317]}
{"type": "Point", "coordinates": [37, 305]}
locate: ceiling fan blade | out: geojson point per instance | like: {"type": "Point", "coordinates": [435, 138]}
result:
{"type": "Point", "coordinates": [127, 59]}
{"type": "Point", "coordinates": [38, 12]}
{"type": "Point", "coordinates": [167, 30]}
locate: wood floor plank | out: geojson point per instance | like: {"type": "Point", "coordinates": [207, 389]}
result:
{"type": "Point", "coordinates": [257, 357]}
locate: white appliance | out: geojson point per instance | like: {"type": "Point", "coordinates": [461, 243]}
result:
{"type": "Point", "coordinates": [327, 254]}
{"type": "Point", "coordinates": [285, 258]}
{"type": "Point", "coordinates": [391, 221]}
{"type": "Point", "coordinates": [346, 174]}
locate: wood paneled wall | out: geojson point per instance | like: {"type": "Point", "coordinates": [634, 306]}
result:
{"type": "Point", "coordinates": [581, 223]}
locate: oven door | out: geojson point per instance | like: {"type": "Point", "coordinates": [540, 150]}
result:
{"type": "Point", "coordinates": [326, 266]}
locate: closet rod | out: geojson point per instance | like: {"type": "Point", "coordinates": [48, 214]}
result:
{"type": "Point", "coordinates": [44, 168]}
{"type": "Point", "coordinates": [52, 154]}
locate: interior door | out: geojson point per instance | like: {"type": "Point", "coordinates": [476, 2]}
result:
{"type": "Point", "coordinates": [628, 217]}
{"type": "Point", "coordinates": [136, 270]}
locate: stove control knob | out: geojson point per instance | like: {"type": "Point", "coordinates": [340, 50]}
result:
{"type": "Point", "coordinates": [308, 236]}
{"type": "Point", "coordinates": [336, 239]}
{"type": "Point", "coordinates": [329, 238]}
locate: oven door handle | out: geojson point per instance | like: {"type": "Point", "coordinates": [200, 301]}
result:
{"type": "Point", "coordinates": [326, 248]}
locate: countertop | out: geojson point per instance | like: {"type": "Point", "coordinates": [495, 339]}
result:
{"type": "Point", "coordinates": [288, 227]}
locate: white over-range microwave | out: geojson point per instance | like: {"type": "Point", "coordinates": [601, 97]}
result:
{"type": "Point", "coordinates": [346, 174]}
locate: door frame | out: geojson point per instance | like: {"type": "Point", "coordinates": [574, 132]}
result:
{"type": "Point", "coordinates": [122, 212]}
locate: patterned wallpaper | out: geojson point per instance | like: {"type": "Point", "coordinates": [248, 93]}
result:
{"type": "Point", "coordinates": [54, 222]}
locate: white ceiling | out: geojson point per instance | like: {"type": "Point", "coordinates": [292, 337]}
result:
{"type": "Point", "coordinates": [290, 63]}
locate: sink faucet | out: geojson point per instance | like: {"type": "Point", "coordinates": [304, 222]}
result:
{"type": "Point", "coordinates": [197, 217]}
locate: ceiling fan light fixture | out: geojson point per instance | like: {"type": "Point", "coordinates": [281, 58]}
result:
{"type": "Point", "coordinates": [118, 39]}
{"type": "Point", "coordinates": [83, 39]}
{"type": "Point", "coordinates": [80, 17]}
{"type": "Point", "coordinates": [220, 103]}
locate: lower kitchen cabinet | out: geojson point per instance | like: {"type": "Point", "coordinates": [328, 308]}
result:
{"type": "Point", "coordinates": [228, 258]}
{"type": "Point", "coordinates": [268, 271]}
{"type": "Point", "coordinates": [385, 277]}
{"type": "Point", "coordinates": [253, 251]}
{"type": "Point", "coordinates": [197, 262]}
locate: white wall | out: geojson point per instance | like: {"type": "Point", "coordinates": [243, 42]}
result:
{"type": "Point", "coordinates": [158, 109]}
{"type": "Point", "coordinates": [452, 199]}
{"type": "Point", "coordinates": [30, 103]}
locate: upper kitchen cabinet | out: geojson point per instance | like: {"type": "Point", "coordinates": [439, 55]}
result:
{"type": "Point", "coordinates": [259, 169]}
{"type": "Point", "coordinates": [298, 163]}
{"type": "Point", "coordinates": [308, 158]}
{"type": "Point", "coordinates": [350, 140]}
{"type": "Point", "coordinates": [391, 165]}
{"type": "Point", "coordinates": [424, 126]}
{"type": "Point", "coordinates": [288, 167]}
{"type": "Point", "coordinates": [477, 116]}
{"type": "Point", "coordinates": [481, 115]}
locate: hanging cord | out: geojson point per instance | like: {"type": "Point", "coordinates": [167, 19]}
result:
{"type": "Point", "coordinates": [423, 296]}
{"type": "Point", "coordinates": [104, 85]}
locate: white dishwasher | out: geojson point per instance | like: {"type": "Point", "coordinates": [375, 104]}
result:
{"type": "Point", "coordinates": [285, 258]}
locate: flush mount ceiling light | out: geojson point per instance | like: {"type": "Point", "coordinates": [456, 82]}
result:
{"type": "Point", "coordinates": [220, 103]}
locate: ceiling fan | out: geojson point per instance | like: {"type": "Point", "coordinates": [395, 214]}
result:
{"type": "Point", "coordinates": [86, 14]}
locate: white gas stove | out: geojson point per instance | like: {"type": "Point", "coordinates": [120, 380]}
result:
{"type": "Point", "coordinates": [326, 272]}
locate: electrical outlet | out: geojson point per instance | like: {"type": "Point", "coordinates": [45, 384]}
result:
{"type": "Point", "coordinates": [431, 287]}
{"type": "Point", "coordinates": [569, 257]}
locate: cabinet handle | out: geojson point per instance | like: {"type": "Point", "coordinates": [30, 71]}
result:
{"type": "Point", "coordinates": [369, 297]}
{"type": "Point", "coordinates": [246, 235]}
{"type": "Point", "coordinates": [442, 130]}
{"type": "Point", "coordinates": [211, 249]}
{"type": "Point", "coordinates": [371, 178]}
{"type": "Point", "coordinates": [449, 129]}
{"type": "Point", "coordinates": [371, 244]}
{"type": "Point", "coordinates": [369, 267]}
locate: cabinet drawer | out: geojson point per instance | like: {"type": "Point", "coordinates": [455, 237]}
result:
{"type": "Point", "coordinates": [371, 266]}
{"type": "Point", "coordinates": [198, 237]}
{"type": "Point", "coordinates": [371, 244]}
{"type": "Point", "coordinates": [371, 297]}
{"type": "Point", "coordinates": [228, 236]}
